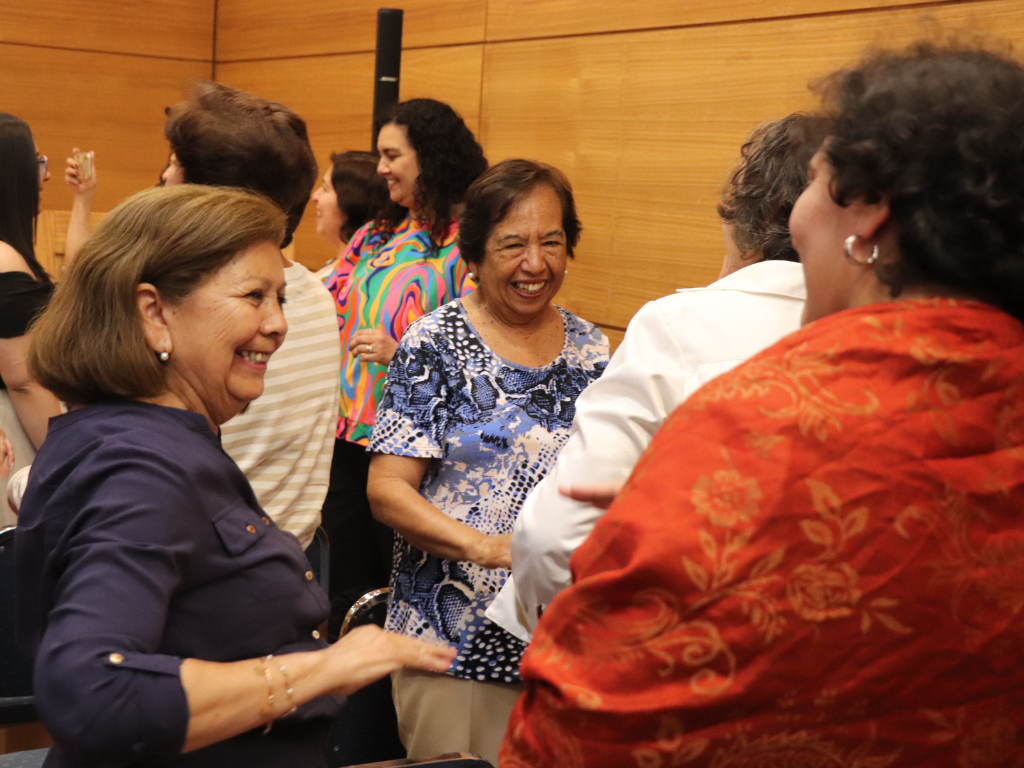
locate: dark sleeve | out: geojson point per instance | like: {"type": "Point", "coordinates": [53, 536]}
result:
{"type": "Point", "coordinates": [21, 299]}
{"type": "Point", "coordinates": [101, 688]}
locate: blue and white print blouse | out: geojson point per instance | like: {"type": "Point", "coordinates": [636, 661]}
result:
{"type": "Point", "coordinates": [493, 429]}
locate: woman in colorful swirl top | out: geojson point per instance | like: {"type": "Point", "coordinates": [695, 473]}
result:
{"type": "Point", "coordinates": [397, 268]}
{"type": "Point", "coordinates": [479, 400]}
{"type": "Point", "coordinates": [819, 560]}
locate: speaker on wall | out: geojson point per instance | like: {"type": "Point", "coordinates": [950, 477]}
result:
{"type": "Point", "coordinates": [389, 65]}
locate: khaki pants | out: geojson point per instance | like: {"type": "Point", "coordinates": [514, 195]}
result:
{"type": "Point", "coordinates": [441, 713]}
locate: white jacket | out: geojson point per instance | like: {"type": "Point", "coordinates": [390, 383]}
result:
{"type": "Point", "coordinates": [673, 346]}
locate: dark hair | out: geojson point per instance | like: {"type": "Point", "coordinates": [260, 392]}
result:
{"type": "Point", "coordinates": [770, 175]}
{"type": "Point", "coordinates": [936, 131]}
{"type": "Point", "coordinates": [492, 196]}
{"type": "Point", "coordinates": [229, 138]}
{"type": "Point", "coordinates": [89, 344]}
{"type": "Point", "coordinates": [362, 192]}
{"type": "Point", "coordinates": [19, 190]}
{"type": "Point", "coordinates": [449, 157]}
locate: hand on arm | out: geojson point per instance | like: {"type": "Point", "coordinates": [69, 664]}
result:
{"type": "Point", "coordinates": [33, 404]}
{"type": "Point", "coordinates": [81, 207]}
{"type": "Point", "coordinates": [396, 501]}
{"type": "Point", "coordinates": [373, 345]}
{"type": "Point", "coordinates": [227, 699]}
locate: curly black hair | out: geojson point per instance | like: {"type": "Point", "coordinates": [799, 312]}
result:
{"type": "Point", "coordinates": [937, 130]}
{"type": "Point", "coordinates": [449, 157]}
{"type": "Point", "coordinates": [770, 175]}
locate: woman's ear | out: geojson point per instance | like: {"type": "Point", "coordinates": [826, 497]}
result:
{"type": "Point", "coordinates": [870, 218]}
{"type": "Point", "coordinates": [153, 310]}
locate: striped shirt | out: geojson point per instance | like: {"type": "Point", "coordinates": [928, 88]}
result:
{"type": "Point", "coordinates": [378, 283]}
{"type": "Point", "coordinates": [285, 440]}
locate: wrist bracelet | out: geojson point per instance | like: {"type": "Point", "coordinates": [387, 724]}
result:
{"type": "Point", "coordinates": [268, 710]}
{"type": "Point", "coordinates": [287, 687]}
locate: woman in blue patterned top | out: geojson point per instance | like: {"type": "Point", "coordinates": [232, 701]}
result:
{"type": "Point", "coordinates": [479, 400]}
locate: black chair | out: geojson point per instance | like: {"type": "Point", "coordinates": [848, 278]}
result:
{"type": "Point", "coordinates": [318, 553]}
{"type": "Point", "coordinates": [16, 702]}
{"type": "Point", "coordinates": [450, 760]}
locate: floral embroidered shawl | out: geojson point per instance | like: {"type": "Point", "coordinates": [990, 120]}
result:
{"type": "Point", "coordinates": [819, 561]}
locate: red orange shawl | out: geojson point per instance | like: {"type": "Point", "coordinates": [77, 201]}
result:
{"type": "Point", "coordinates": [819, 561]}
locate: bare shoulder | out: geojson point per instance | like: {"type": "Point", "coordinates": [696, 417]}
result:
{"type": "Point", "coordinates": [11, 260]}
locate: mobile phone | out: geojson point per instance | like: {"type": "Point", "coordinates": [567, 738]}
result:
{"type": "Point", "coordinates": [84, 160]}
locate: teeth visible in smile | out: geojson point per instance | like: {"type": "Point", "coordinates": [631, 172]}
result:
{"type": "Point", "coordinates": [529, 287]}
{"type": "Point", "coordinates": [257, 358]}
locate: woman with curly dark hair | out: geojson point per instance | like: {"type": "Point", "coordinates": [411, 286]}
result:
{"type": "Point", "coordinates": [818, 561]}
{"type": "Point", "coordinates": [401, 265]}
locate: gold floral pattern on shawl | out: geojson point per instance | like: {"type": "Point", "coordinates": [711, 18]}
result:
{"type": "Point", "coordinates": [726, 498]}
{"type": "Point", "coordinates": [820, 592]}
{"type": "Point", "coordinates": [801, 376]}
{"type": "Point", "coordinates": [799, 750]}
{"type": "Point", "coordinates": [989, 742]}
{"type": "Point", "coordinates": [672, 746]}
{"type": "Point", "coordinates": [658, 632]}
{"type": "Point", "coordinates": [973, 562]}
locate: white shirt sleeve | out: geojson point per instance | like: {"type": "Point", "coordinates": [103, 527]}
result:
{"type": "Point", "coordinates": [616, 417]}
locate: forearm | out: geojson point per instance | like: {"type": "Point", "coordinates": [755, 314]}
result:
{"type": "Point", "coordinates": [400, 506]}
{"type": "Point", "coordinates": [227, 699]}
{"type": "Point", "coordinates": [34, 406]}
{"type": "Point", "coordinates": [78, 226]}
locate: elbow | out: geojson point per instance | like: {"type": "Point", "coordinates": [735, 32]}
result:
{"type": "Point", "coordinates": [376, 492]}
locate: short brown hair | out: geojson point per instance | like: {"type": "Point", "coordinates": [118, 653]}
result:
{"type": "Point", "coordinates": [492, 196]}
{"type": "Point", "coordinates": [224, 137]}
{"type": "Point", "coordinates": [89, 346]}
{"type": "Point", "coordinates": [361, 192]}
{"type": "Point", "coordinates": [771, 174]}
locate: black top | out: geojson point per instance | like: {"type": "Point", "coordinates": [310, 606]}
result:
{"type": "Point", "coordinates": [22, 297]}
{"type": "Point", "coordinates": [140, 543]}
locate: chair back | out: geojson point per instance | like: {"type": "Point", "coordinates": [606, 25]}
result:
{"type": "Point", "coordinates": [449, 760]}
{"type": "Point", "coordinates": [16, 702]}
{"type": "Point", "coordinates": [371, 608]}
{"type": "Point", "coordinates": [318, 553]}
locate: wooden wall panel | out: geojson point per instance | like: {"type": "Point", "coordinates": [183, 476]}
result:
{"type": "Point", "coordinates": [168, 28]}
{"type": "Point", "coordinates": [263, 29]}
{"type": "Point", "coordinates": [334, 94]}
{"type": "Point", "coordinates": [647, 125]}
{"type": "Point", "coordinates": [528, 19]}
{"type": "Point", "coordinates": [108, 103]}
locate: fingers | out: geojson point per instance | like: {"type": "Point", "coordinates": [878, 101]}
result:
{"type": "Point", "coordinates": [418, 654]}
{"type": "Point", "coordinates": [601, 495]}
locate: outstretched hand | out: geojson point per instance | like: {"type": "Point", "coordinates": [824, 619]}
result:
{"type": "Point", "coordinates": [601, 495]}
{"type": "Point", "coordinates": [368, 653]}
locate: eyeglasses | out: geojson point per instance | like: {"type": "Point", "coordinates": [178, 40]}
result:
{"type": "Point", "coordinates": [44, 166]}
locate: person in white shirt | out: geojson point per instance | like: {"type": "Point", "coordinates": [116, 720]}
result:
{"type": "Point", "coordinates": [672, 347]}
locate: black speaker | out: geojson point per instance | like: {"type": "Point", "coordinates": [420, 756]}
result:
{"type": "Point", "coordinates": [389, 66]}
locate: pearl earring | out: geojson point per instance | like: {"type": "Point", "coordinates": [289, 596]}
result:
{"type": "Point", "coordinates": [164, 356]}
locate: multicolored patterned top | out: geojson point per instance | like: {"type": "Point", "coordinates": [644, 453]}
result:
{"type": "Point", "coordinates": [494, 428]}
{"type": "Point", "coordinates": [387, 284]}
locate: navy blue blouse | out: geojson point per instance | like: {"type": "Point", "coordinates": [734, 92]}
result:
{"type": "Point", "coordinates": [141, 544]}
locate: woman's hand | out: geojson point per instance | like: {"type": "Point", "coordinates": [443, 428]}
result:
{"type": "Point", "coordinates": [600, 495]}
{"type": "Point", "coordinates": [73, 179]}
{"type": "Point", "coordinates": [492, 551]}
{"type": "Point", "coordinates": [369, 653]}
{"type": "Point", "coordinates": [6, 454]}
{"type": "Point", "coordinates": [373, 345]}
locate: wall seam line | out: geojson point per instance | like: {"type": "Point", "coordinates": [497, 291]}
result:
{"type": "Point", "coordinates": [101, 51]}
{"type": "Point", "coordinates": [213, 52]}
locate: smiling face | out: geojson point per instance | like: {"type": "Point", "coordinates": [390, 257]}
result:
{"type": "Point", "coordinates": [329, 218]}
{"type": "Point", "coordinates": [524, 260]}
{"type": "Point", "coordinates": [222, 334]}
{"type": "Point", "coordinates": [398, 165]}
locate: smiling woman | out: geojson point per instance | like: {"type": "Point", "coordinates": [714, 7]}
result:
{"type": "Point", "coordinates": [153, 587]}
{"type": "Point", "coordinates": [479, 400]}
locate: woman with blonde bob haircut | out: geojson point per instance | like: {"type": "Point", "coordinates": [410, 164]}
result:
{"type": "Point", "coordinates": [166, 611]}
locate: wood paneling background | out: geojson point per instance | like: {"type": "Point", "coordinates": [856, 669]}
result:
{"type": "Point", "coordinates": [644, 105]}
{"type": "Point", "coordinates": [97, 74]}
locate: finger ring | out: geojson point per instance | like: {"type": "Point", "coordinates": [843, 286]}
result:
{"type": "Point", "coordinates": [369, 349]}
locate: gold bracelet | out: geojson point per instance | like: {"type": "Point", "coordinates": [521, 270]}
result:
{"type": "Point", "coordinates": [268, 710]}
{"type": "Point", "coordinates": [287, 686]}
